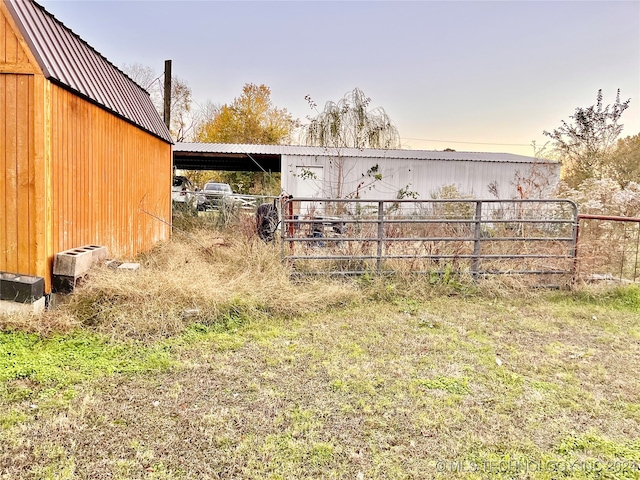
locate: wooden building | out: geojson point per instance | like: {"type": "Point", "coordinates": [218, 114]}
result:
{"type": "Point", "coordinates": [84, 156]}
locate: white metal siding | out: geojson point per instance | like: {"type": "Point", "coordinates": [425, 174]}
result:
{"type": "Point", "coordinates": [425, 177]}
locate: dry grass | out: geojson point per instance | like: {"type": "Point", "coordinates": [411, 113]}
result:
{"type": "Point", "coordinates": [609, 248]}
{"type": "Point", "coordinates": [207, 278]}
{"type": "Point", "coordinates": [45, 324]}
{"type": "Point", "coordinates": [239, 372]}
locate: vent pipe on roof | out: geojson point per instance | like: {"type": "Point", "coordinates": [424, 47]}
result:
{"type": "Point", "coordinates": [167, 93]}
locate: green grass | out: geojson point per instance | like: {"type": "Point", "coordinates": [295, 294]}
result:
{"type": "Point", "coordinates": [399, 381]}
{"type": "Point", "coordinates": [63, 360]}
{"type": "Point", "coordinates": [624, 298]}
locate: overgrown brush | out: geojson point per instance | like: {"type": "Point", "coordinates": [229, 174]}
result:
{"type": "Point", "coordinates": [227, 215]}
{"type": "Point", "coordinates": [208, 278]}
{"type": "Point", "coordinates": [219, 280]}
{"type": "Point", "coordinates": [224, 279]}
{"type": "Point", "coordinates": [606, 247]}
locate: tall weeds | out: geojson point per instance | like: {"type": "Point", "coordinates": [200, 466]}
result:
{"type": "Point", "coordinates": [202, 278]}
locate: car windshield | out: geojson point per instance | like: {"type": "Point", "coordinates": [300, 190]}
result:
{"type": "Point", "coordinates": [218, 187]}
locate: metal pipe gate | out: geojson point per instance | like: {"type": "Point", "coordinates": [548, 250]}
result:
{"type": "Point", "coordinates": [478, 237]}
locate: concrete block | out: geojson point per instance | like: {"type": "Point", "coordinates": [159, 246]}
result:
{"type": "Point", "coordinates": [113, 264]}
{"type": "Point", "coordinates": [98, 253]}
{"type": "Point", "coordinates": [8, 306]}
{"type": "Point", "coordinates": [56, 300]}
{"type": "Point", "coordinates": [63, 284]}
{"type": "Point", "coordinates": [21, 288]}
{"type": "Point", "coordinates": [73, 263]}
{"type": "Point", "coordinates": [129, 266]}
{"type": "Point", "coordinates": [6, 278]}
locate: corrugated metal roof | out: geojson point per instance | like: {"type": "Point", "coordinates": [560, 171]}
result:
{"type": "Point", "coordinates": [302, 150]}
{"type": "Point", "coordinates": [71, 62]}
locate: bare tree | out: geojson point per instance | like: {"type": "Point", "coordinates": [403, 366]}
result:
{"type": "Point", "coordinates": [183, 118]}
{"type": "Point", "coordinates": [584, 144]}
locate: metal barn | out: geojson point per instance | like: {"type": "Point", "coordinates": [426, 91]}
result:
{"type": "Point", "coordinates": [379, 174]}
{"type": "Point", "coordinates": [83, 152]}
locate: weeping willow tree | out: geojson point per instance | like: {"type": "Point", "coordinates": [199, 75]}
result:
{"type": "Point", "coordinates": [348, 124]}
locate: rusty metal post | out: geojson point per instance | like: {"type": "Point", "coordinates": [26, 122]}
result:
{"type": "Point", "coordinates": [576, 237]}
{"type": "Point", "coordinates": [624, 250]}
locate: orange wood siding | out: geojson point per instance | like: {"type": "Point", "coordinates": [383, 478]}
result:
{"type": "Point", "coordinates": [104, 174]}
{"type": "Point", "coordinates": [17, 196]}
{"type": "Point", "coordinates": [22, 221]}
{"type": "Point", "coordinates": [14, 55]}
{"type": "Point", "coordinates": [71, 173]}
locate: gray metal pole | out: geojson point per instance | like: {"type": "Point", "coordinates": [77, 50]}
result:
{"type": "Point", "coordinates": [476, 239]}
{"type": "Point", "coordinates": [380, 233]}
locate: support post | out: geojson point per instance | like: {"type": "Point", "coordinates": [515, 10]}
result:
{"type": "Point", "coordinates": [292, 228]}
{"type": "Point", "coordinates": [167, 93]}
{"type": "Point", "coordinates": [475, 264]}
{"type": "Point", "coordinates": [380, 234]}
{"type": "Point", "coordinates": [576, 238]}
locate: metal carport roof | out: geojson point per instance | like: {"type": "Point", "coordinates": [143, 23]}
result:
{"type": "Point", "coordinates": [256, 158]}
{"type": "Point", "coordinates": [227, 157]}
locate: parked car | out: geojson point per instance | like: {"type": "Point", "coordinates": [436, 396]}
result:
{"type": "Point", "coordinates": [182, 192]}
{"type": "Point", "coordinates": [214, 195]}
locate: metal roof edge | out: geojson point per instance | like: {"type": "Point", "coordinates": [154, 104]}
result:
{"type": "Point", "coordinates": [116, 93]}
{"type": "Point", "coordinates": [297, 150]}
{"type": "Point", "coordinates": [87, 44]}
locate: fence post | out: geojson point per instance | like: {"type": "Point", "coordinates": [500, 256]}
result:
{"type": "Point", "coordinates": [476, 239]}
{"type": "Point", "coordinates": [624, 250]}
{"type": "Point", "coordinates": [286, 226]}
{"type": "Point", "coordinates": [576, 239]}
{"type": "Point", "coordinates": [380, 233]}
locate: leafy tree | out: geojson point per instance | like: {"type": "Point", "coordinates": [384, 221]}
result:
{"type": "Point", "coordinates": [623, 165]}
{"type": "Point", "coordinates": [250, 118]}
{"type": "Point", "coordinates": [584, 145]}
{"type": "Point", "coordinates": [182, 116]}
{"type": "Point", "coordinates": [348, 124]}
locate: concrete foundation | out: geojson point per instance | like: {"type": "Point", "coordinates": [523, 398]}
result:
{"type": "Point", "coordinates": [7, 306]}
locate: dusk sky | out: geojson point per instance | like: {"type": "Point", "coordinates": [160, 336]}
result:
{"type": "Point", "coordinates": [472, 76]}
